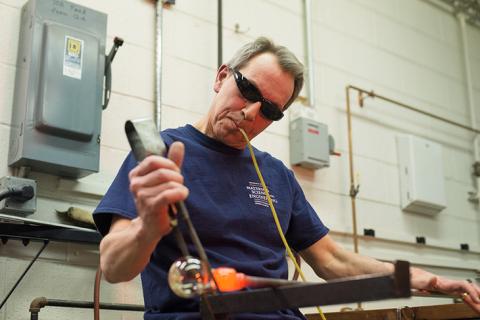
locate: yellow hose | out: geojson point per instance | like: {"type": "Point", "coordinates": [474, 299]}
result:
{"type": "Point", "coordinates": [275, 216]}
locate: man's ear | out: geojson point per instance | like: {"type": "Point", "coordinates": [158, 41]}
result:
{"type": "Point", "coordinates": [222, 74]}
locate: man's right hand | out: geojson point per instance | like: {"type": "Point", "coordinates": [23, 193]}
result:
{"type": "Point", "coordinates": [156, 183]}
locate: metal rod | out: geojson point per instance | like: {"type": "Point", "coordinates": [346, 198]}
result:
{"type": "Point", "coordinates": [310, 60]}
{"type": "Point", "coordinates": [470, 95]}
{"type": "Point", "coordinates": [219, 34]}
{"type": "Point", "coordinates": [409, 107]}
{"type": "Point", "coordinates": [182, 209]}
{"type": "Point", "coordinates": [89, 305]}
{"type": "Point", "coordinates": [45, 243]}
{"type": "Point", "coordinates": [158, 63]}
{"type": "Point", "coordinates": [182, 244]}
{"type": "Point", "coordinates": [468, 76]}
{"type": "Point", "coordinates": [260, 282]}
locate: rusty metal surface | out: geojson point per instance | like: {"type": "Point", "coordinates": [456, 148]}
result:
{"type": "Point", "coordinates": [346, 290]}
{"type": "Point", "coordinates": [438, 312]}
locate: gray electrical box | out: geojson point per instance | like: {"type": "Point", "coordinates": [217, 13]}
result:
{"type": "Point", "coordinates": [422, 182]}
{"type": "Point", "coordinates": [56, 118]}
{"type": "Point", "coordinates": [309, 144]}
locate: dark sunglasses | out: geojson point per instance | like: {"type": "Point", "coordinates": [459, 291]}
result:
{"type": "Point", "coordinates": [268, 109]}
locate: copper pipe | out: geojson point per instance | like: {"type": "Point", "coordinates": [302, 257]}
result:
{"type": "Point", "coordinates": [409, 107]}
{"type": "Point", "coordinates": [353, 188]}
{"type": "Point", "coordinates": [96, 294]}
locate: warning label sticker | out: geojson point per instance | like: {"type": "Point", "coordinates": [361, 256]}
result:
{"type": "Point", "coordinates": [73, 57]}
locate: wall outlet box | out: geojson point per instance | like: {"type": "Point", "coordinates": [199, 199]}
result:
{"type": "Point", "coordinates": [17, 208]}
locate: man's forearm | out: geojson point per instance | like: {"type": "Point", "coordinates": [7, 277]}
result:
{"type": "Point", "coordinates": [346, 263]}
{"type": "Point", "coordinates": [331, 261]}
{"type": "Point", "coordinates": [125, 253]}
{"type": "Point", "coordinates": [354, 264]}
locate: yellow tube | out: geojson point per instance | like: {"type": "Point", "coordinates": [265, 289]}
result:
{"type": "Point", "coordinates": [274, 213]}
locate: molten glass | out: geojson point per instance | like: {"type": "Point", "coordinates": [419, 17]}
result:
{"type": "Point", "coordinates": [188, 277]}
{"type": "Point", "coordinates": [229, 280]}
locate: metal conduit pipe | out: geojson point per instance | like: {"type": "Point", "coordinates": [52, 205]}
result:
{"type": "Point", "coordinates": [309, 47]}
{"type": "Point", "coordinates": [40, 302]}
{"type": "Point", "coordinates": [219, 34]}
{"type": "Point", "coordinates": [470, 96]}
{"type": "Point", "coordinates": [158, 63]}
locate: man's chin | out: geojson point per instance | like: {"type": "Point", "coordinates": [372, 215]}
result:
{"type": "Point", "coordinates": [230, 136]}
{"type": "Point", "coordinates": [235, 142]}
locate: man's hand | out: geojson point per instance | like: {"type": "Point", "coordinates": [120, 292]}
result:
{"type": "Point", "coordinates": [156, 183]}
{"type": "Point", "coordinates": [467, 290]}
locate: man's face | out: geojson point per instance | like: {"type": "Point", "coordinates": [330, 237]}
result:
{"type": "Point", "coordinates": [230, 110]}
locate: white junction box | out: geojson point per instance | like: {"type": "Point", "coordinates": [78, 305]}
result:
{"type": "Point", "coordinates": [422, 183]}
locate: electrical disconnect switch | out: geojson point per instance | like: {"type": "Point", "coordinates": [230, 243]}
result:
{"type": "Point", "coordinates": [18, 196]}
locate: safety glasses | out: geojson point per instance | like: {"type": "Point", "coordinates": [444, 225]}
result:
{"type": "Point", "coordinates": [268, 109]}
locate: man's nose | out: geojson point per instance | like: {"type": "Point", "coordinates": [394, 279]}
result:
{"type": "Point", "coordinates": [251, 110]}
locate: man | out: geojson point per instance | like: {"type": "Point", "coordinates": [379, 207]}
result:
{"type": "Point", "coordinates": [225, 200]}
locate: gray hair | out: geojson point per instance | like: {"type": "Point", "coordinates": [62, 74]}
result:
{"type": "Point", "coordinates": [286, 59]}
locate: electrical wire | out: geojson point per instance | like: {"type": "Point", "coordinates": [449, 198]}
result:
{"type": "Point", "coordinates": [5, 194]}
{"type": "Point", "coordinates": [274, 214]}
{"type": "Point", "coordinates": [20, 194]}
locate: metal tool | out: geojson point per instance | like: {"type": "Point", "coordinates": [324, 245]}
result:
{"type": "Point", "coordinates": [345, 290]}
{"type": "Point", "coordinates": [145, 140]}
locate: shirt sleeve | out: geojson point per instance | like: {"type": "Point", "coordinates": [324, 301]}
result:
{"type": "Point", "coordinates": [118, 199]}
{"type": "Point", "coordinates": [305, 227]}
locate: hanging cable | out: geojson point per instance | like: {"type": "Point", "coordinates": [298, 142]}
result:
{"type": "Point", "coordinates": [45, 243]}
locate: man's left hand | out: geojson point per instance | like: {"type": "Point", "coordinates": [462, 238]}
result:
{"type": "Point", "coordinates": [468, 290]}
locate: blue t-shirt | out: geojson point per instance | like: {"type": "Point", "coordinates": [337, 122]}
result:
{"type": "Point", "coordinates": [231, 215]}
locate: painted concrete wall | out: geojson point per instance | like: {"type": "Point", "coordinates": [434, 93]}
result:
{"type": "Point", "coordinates": [404, 49]}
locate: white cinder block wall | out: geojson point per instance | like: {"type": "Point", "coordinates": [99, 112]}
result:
{"type": "Point", "coordinates": [404, 49]}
